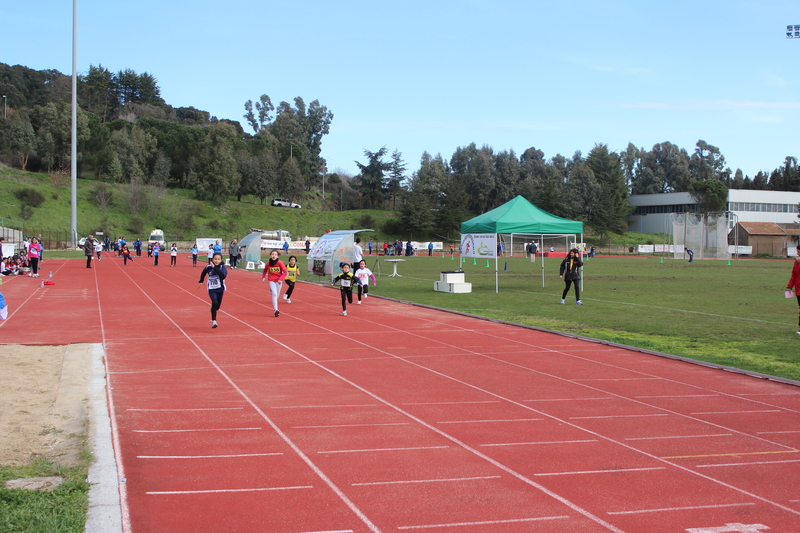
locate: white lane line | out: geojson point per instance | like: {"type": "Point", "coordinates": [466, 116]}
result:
{"type": "Point", "coordinates": [774, 432]}
{"type": "Point", "coordinates": [450, 403]}
{"type": "Point", "coordinates": [193, 409]}
{"type": "Point", "coordinates": [385, 449]}
{"type": "Point", "coordinates": [330, 531]}
{"type": "Point", "coordinates": [494, 420]}
{"type": "Point", "coordinates": [753, 463]}
{"type": "Point", "coordinates": [351, 425]}
{"type": "Point", "coordinates": [324, 406]}
{"type": "Point", "coordinates": [737, 412]}
{"type": "Point", "coordinates": [215, 491]}
{"type": "Point", "coordinates": [541, 442]}
{"type": "Point", "coordinates": [614, 416]}
{"type": "Point", "coordinates": [601, 471]}
{"type": "Point", "coordinates": [192, 430]}
{"type": "Point", "coordinates": [681, 396]}
{"type": "Point", "coordinates": [718, 506]}
{"type": "Point", "coordinates": [570, 399]}
{"type": "Point", "coordinates": [486, 522]}
{"type": "Point", "coordinates": [235, 455]}
{"type": "Point", "coordinates": [424, 481]}
{"type": "Point", "coordinates": [681, 437]}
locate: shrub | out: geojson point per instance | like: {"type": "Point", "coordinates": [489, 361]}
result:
{"type": "Point", "coordinates": [102, 195]}
{"type": "Point", "coordinates": [392, 227]}
{"type": "Point", "coordinates": [214, 224]}
{"type": "Point", "coordinates": [30, 196]}
{"type": "Point", "coordinates": [136, 225]}
{"type": "Point", "coordinates": [365, 221]}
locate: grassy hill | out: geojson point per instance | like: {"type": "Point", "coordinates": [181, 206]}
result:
{"type": "Point", "coordinates": [120, 209]}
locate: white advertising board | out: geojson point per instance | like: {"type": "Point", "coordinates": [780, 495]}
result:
{"type": "Point", "coordinates": [482, 245]}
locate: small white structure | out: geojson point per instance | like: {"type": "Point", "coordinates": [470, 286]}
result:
{"type": "Point", "coordinates": [452, 281]}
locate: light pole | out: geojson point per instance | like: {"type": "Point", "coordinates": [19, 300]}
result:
{"type": "Point", "coordinates": [323, 186]}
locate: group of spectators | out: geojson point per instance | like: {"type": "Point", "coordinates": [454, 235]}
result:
{"type": "Point", "coordinates": [26, 261]}
{"type": "Point", "coordinates": [397, 249]}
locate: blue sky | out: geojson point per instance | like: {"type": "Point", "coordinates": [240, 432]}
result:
{"type": "Point", "coordinates": [435, 75]}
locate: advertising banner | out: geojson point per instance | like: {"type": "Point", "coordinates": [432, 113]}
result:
{"type": "Point", "coordinates": [481, 245]}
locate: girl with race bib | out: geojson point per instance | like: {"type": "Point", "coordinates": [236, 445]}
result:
{"type": "Point", "coordinates": [346, 280]}
{"type": "Point", "coordinates": [274, 272]}
{"type": "Point", "coordinates": [291, 277]}
{"type": "Point", "coordinates": [216, 273]}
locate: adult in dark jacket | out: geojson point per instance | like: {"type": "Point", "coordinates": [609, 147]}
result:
{"type": "Point", "coordinates": [88, 250]}
{"type": "Point", "coordinates": [233, 253]}
{"type": "Point", "coordinates": [570, 272]}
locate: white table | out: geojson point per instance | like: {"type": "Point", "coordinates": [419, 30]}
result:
{"type": "Point", "coordinates": [394, 262]}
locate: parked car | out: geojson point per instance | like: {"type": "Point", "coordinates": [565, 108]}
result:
{"type": "Point", "coordinates": [283, 202]}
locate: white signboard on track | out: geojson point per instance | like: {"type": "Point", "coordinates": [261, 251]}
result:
{"type": "Point", "coordinates": [480, 245]}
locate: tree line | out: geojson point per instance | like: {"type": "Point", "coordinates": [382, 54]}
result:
{"type": "Point", "coordinates": [128, 134]}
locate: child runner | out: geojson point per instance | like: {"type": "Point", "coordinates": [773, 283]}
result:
{"type": "Point", "coordinates": [362, 276]}
{"type": "Point", "coordinates": [156, 251]}
{"type": "Point", "coordinates": [210, 252]}
{"type": "Point", "coordinates": [195, 251]}
{"type": "Point", "coordinates": [98, 248]}
{"type": "Point", "coordinates": [217, 273]}
{"type": "Point", "coordinates": [33, 254]}
{"type": "Point", "coordinates": [126, 254]}
{"type": "Point", "coordinates": [346, 278]}
{"type": "Point", "coordinates": [570, 272]}
{"type": "Point", "coordinates": [291, 277]}
{"type": "Point", "coordinates": [173, 255]}
{"type": "Point", "coordinates": [277, 273]}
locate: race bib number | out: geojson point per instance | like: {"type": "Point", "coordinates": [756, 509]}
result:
{"type": "Point", "coordinates": [214, 283]}
{"type": "Point", "coordinates": [345, 283]}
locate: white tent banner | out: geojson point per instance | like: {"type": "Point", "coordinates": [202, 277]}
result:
{"type": "Point", "coordinates": [481, 245]}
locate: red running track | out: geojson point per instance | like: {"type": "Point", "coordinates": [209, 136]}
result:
{"type": "Point", "coordinates": [399, 418]}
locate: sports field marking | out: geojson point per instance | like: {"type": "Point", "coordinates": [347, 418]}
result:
{"type": "Point", "coordinates": [493, 420]}
{"type": "Point", "coordinates": [660, 307]}
{"type": "Point", "coordinates": [749, 464]}
{"type": "Point", "coordinates": [735, 454]}
{"type": "Point", "coordinates": [681, 437]}
{"type": "Point", "coordinates": [643, 378]}
{"type": "Point", "coordinates": [717, 506]}
{"type": "Point", "coordinates": [450, 403]}
{"type": "Point", "coordinates": [160, 370]}
{"type": "Point", "coordinates": [540, 442]}
{"type": "Point", "coordinates": [486, 522]}
{"type": "Point", "coordinates": [207, 456]}
{"type": "Point", "coordinates": [407, 482]}
{"type": "Point", "coordinates": [351, 425]}
{"type": "Point", "coordinates": [370, 450]}
{"type": "Point", "coordinates": [778, 432]}
{"type": "Point", "coordinates": [303, 457]}
{"type": "Point", "coordinates": [215, 491]}
{"type": "Point", "coordinates": [188, 409]}
{"type": "Point", "coordinates": [736, 412]}
{"type": "Point", "coordinates": [681, 396]}
{"type": "Point", "coordinates": [614, 471]}
{"type": "Point", "coordinates": [192, 430]}
{"type": "Point", "coordinates": [569, 399]}
{"type": "Point", "coordinates": [615, 416]}
{"type": "Point", "coordinates": [322, 406]}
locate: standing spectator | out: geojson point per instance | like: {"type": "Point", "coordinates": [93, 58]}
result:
{"type": "Point", "coordinates": [88, 250]}
{"type": "Point", "coordinates": [285, 247]}
{"type": "Point", "coordinates": [233, 253]}
{"type": "Point", "coordinates": [358, 254]}
{"type": "Point", "coordinates": [451, 249]}
{"type": "Point", "coordinates": [591, 251]}
{"type": "Point", "coordinates": [570, 272]}
{"type": "Point", "coordinates": [34, 251]}
{"type": "Point", "coordinates": [149, 249]}
{"type": "Point", "coordinates": [274, 272]}
{"type": "Point", "coordinates": [794, 282]}
{"type": "Point", "coordinates": [173, 255]}
{"type": "Point", "coordinates": [156, 252]}
{"type": "Point", "coordinates": [195, 251]}
{"type": "Point", "coordinates": [385, 248]}
{"type": "Point", "coordinates": [308, 246]}
{"type": "Point", "coordinates": [534, 248]}
{"type": "Point", "coordinates": [691, 253]}
{"type": "Point", "coordinates": [210, 253]}
{"type": "Point", "coordinates": [409, 249]}
{"type": "Point", "coordinates": [41, 251]}
{"type": "Point", "coordinates": [369, 245]}
{"type": "Point", "coordinates": [137, 247]}
{"type": "Point", "coordinates": [430, 249]}
{"type": "Point", "coordinates": [217, 248]}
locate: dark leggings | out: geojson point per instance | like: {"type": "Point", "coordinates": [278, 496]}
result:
{"type": "Point", "coordinates": [364, 289]}
{"type": "Point", "coordinates": [88, 261]}
{"type": "Point", "coordinates": [35, 265]}
{"type": "Point", "coordinates": [577, 289]}
{"type": "Point", "coordinates": [290, 290]}
{"type": "Point", "coordinates": [347, 296]}
{"type": "Point", "coordinates": [216, 302]}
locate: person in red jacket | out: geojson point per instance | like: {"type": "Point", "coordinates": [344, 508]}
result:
{"type": "Point", "coordinates": [274, 272]}
{"type": "Point", "coordinates": [794, 282]}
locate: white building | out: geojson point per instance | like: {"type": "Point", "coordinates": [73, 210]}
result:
{"type": "Point", "coordinates": [652, 214]}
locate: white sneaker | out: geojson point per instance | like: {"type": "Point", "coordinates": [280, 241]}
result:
{"type": "Point", "coordinates": [214, 324]}
{"type": "Point", "coordinates": [288, 301]}
{"type": "Point", "coordinates": [579, 302]}
{"type": "Point", "coordinates": [285, 297]}
{"type": "Point", "coordinates": [359, 302]}
{"type": "Point", "coordinates": [344, 313]}
{"type": "Point", "coordinates": [365, 295]}
{"type": "Point", "coordinates": [562, 301]}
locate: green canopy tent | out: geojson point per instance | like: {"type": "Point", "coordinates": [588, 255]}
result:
{"type": "Point", "coordinates": [519, 216]}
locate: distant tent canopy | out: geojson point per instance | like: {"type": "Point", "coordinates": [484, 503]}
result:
{"type": "Point", "coordinates": [520, 216]}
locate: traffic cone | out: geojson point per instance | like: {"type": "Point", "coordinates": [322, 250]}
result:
{"type": "Point", "coordinates": [474, 260]}
{"type": "Point", "coordinates": [662, 260]}
{"type": "Point", "coordinates": [487, 264]}
{"type": "Point", "coordinates": [442, 255]}
{"type": "Point", "coordinates": [729, 262]}
{"type": "Point", "coordinates": [452, 258]}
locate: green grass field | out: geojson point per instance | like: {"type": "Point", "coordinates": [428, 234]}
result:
{"type": "Point", "coordinates": [733, 315]}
